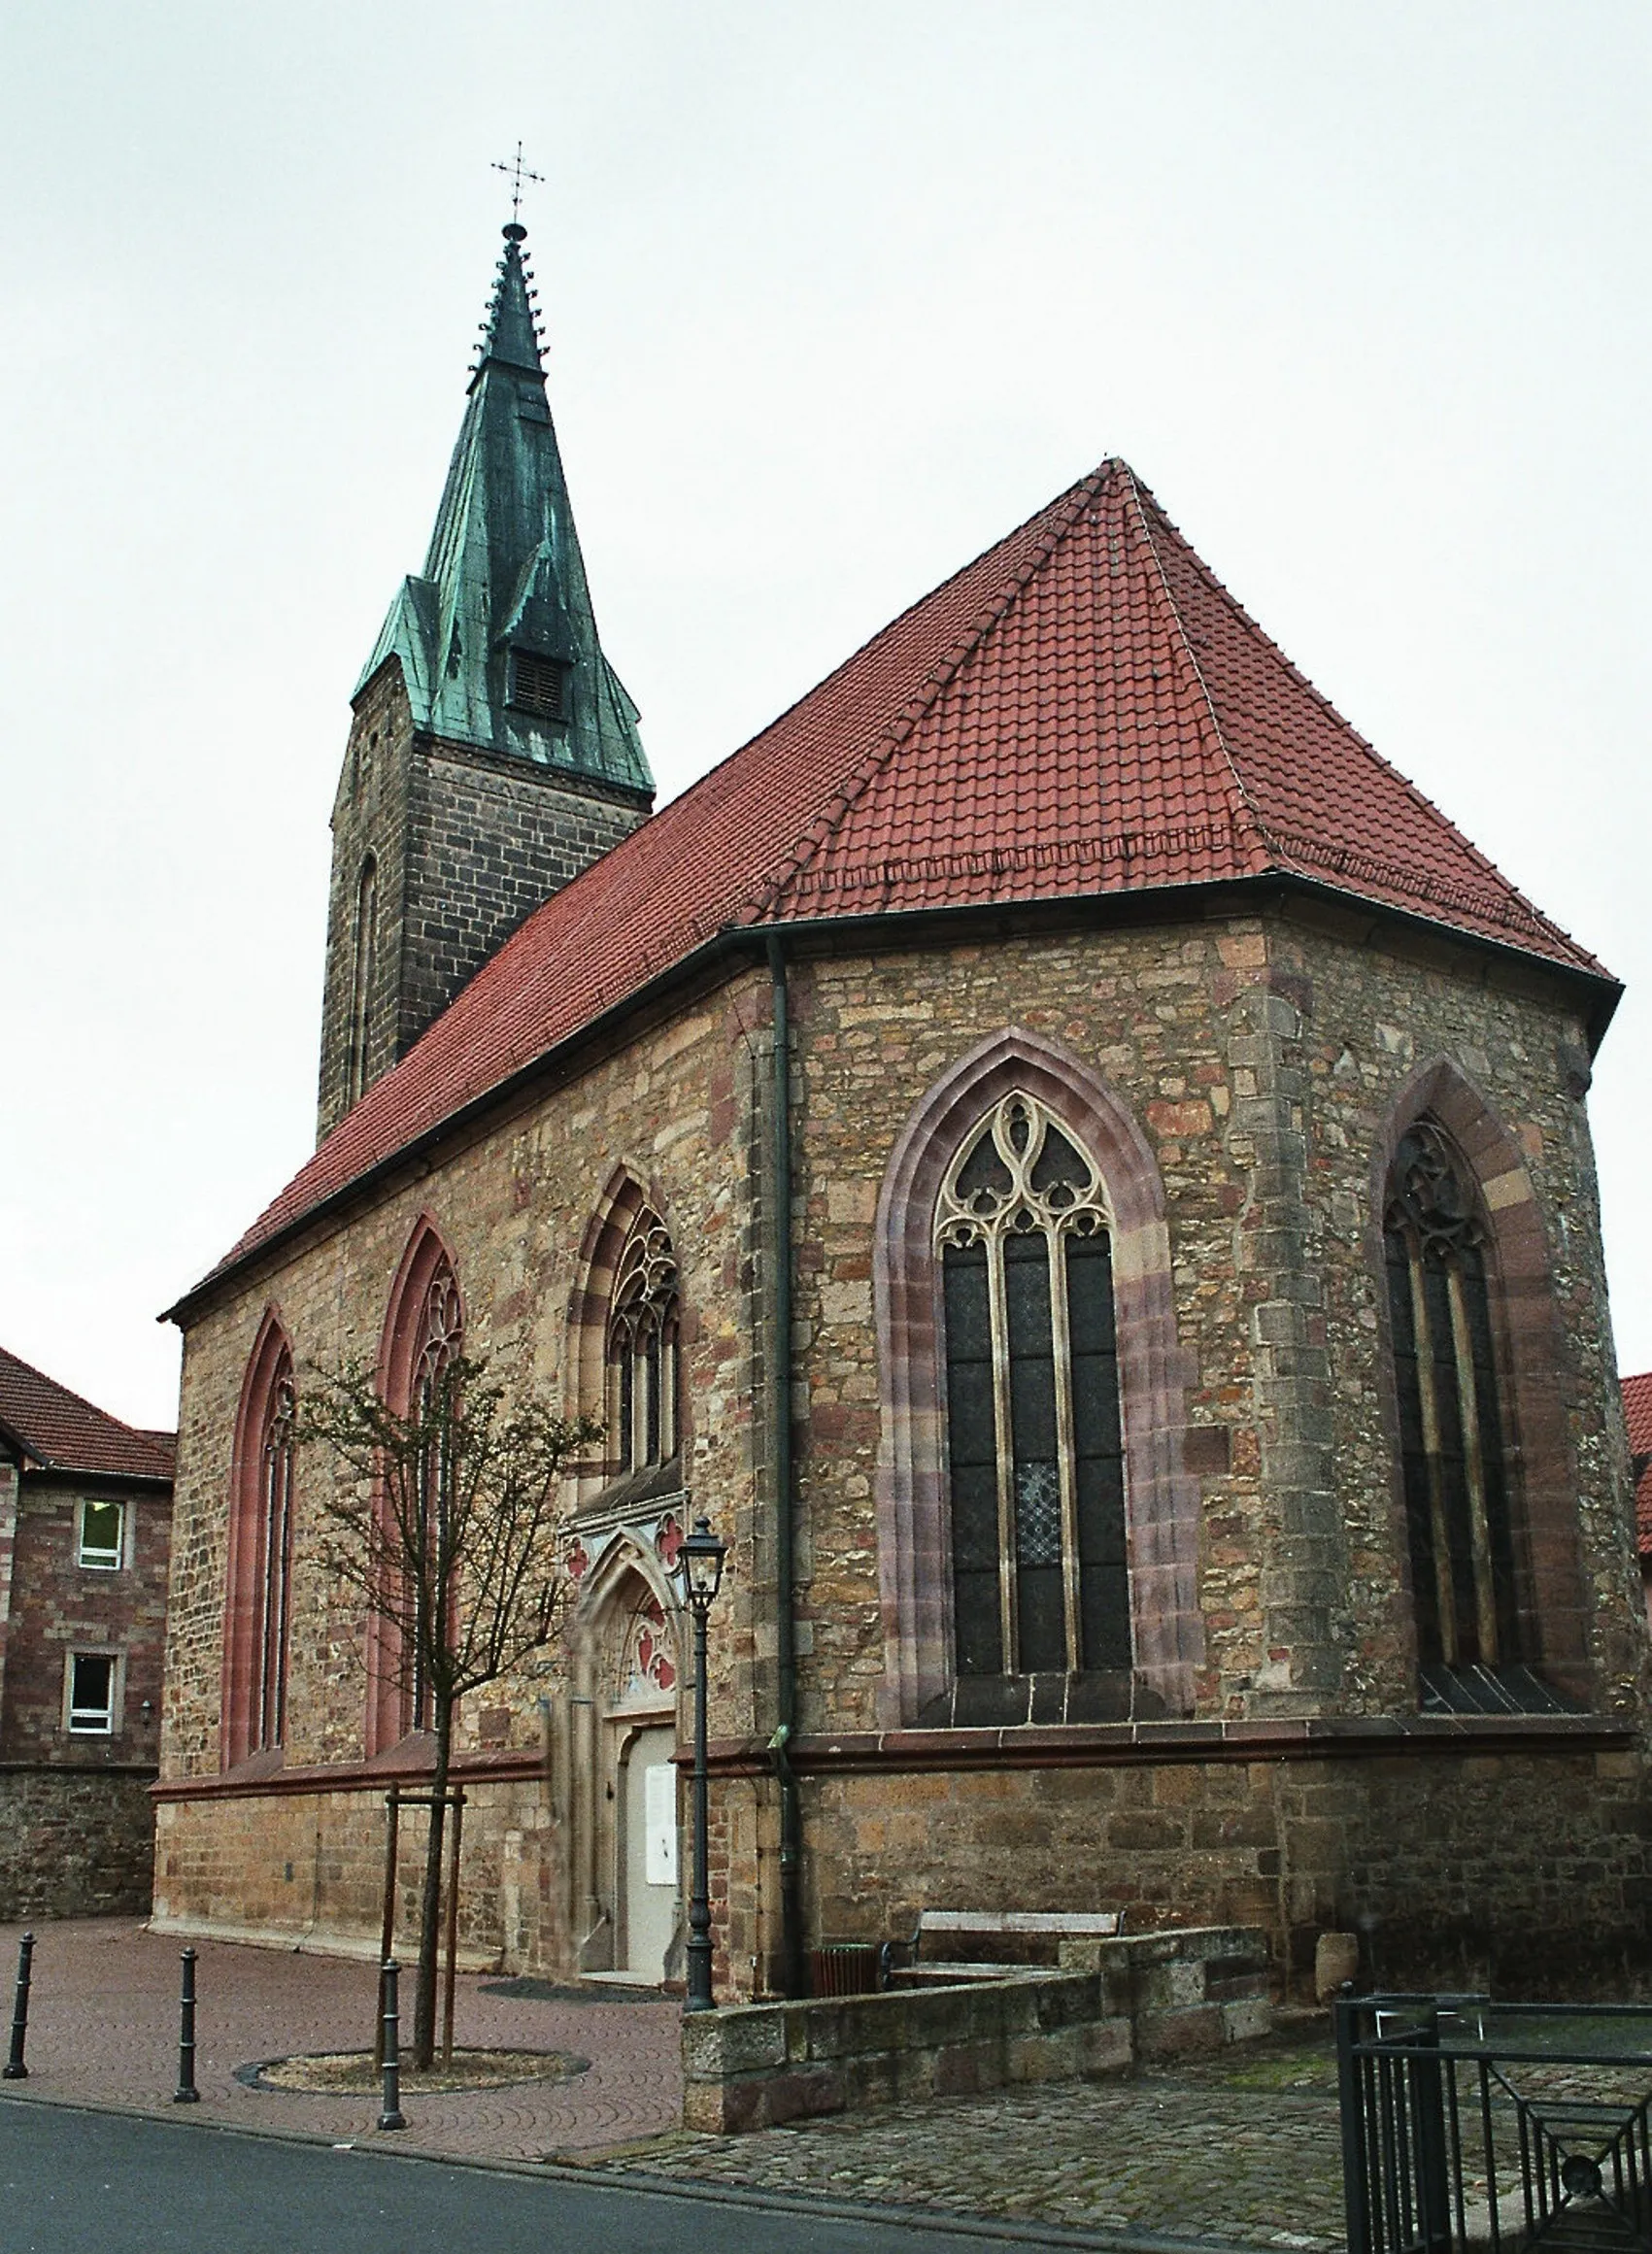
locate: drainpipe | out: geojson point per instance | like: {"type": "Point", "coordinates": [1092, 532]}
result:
{"type": "Point", "coordinates": [780, 1396]}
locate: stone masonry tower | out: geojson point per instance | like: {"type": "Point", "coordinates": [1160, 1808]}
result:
{"type": "Point", "coordinates": [493, 753]}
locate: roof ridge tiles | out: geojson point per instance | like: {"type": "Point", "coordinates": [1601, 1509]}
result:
{"type": "Point", "coordinates": [1066, 512]}
{"type": "Point", "coordinates": [1254, 627]}
{"type": "Point", "coordinates": [1262, 843]}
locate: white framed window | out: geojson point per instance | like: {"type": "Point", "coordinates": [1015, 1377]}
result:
{"type": "Point", "coordinates": [101, 1536]}
{"type": "Point", "coordinates": [91, 1693]}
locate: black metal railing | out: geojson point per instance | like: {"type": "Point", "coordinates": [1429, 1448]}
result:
{"type": "Point", "coordinates": [1471, 2126]}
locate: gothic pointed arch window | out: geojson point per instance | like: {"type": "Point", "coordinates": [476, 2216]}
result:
{"type": "Point", "coordinates": [641, 1357]}
{"type": "Point", "coordinates": [1035, 1450]}
{"type": "Point", "coordinates": [362, 965]}
{"type": "Point", "coordinates": [439, 1344]}
{"type": "Point", "coordinates": [1454, 1468]}
{"type": "Point", "coordinates": [259, 1623]}
{"type": "Point", "coordinates": [423, 1338]}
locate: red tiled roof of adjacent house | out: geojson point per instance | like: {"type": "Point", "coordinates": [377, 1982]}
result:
{"type": "Point", "coordinates": [63, 1433]}
{"type": "Point", "coordinates": [1081, 711]}
{"type": "Point", "coordinates": [1637, 1412]}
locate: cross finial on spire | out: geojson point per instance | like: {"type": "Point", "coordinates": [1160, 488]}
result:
{"type": "Point", "coordinates": [517, 172]}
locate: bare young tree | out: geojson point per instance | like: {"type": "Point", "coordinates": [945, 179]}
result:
{"type": "Point", "coordinates": [447, 1532]}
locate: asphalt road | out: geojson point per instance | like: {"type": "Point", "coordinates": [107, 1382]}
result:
{"type": "Point", "coordinates": [74, 2182]}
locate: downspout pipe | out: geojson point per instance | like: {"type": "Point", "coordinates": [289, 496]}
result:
{"type": "Point", "coordinates": [780, 1397]}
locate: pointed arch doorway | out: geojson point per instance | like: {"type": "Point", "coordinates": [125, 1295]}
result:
{"type": "Point", "coordinates": [630, 1820]}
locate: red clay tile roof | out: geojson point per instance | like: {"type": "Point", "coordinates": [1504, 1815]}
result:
{"type": "Point", "coordinates": [1084, 710]}
{"type": "Point", "coordinates": [65, 1433]}
{"type": "Point", "coordinates": [1638, 1412]}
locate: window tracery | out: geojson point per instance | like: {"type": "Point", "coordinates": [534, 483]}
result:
{"type": "Point", "coordinates": [1454, 1473]}
{"type": "Point", "coordinates": [648, 1659]}
{"type": "Point", "coordinates": [1036, 1456]}
{"type": "Point", "coordinates": [275, 1557]}
{"type": "Point", "coordinates": [440, 1341]}
{"type": "Point", "coordinates": [641, 1349]}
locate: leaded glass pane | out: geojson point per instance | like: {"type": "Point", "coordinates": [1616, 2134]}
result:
{"type": "Point", "coordinates": [1032, 1403]}
{"type": "Point", "coordinates": [983, 1179]}
{"type": "Point", "coordinates": [973, 1438]}
{"type": "Point", "coordinates": [1452, 1463]}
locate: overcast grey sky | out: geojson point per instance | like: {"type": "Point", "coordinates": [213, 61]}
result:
{"type": "Point", "coordinates": [836, 295]}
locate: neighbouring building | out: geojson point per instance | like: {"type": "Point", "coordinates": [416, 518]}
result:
{"type": "Point", "coordinates": [1071, 1163]}
{"type": "Point", "coordinates": [86, 1523]}
{"type": "Point", "coordinates": [1638, 1415]}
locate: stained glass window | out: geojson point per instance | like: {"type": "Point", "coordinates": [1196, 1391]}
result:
{"type": "Point", "coordinates": [1452, 1469]}
{"type": "Point", "coordinates": [641, 1349]}
{"type": "Point", "coordinates": [441, 1341]}
{"type": "Point", "coordinates": [1034, 1436]}
{"type": "Point", "coordinates": [275, 1559]}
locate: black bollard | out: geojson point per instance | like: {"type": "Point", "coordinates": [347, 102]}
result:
{"type": "Point", "coordinates": [15, 2069]}
{"type": "Point", "coordinates": [392, 2116]}
{"type": "Point", "coordinates": [186, 2093]}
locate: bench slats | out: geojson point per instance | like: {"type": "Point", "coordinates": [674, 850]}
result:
{"type": "Point", "coordinates": [1074, 1923]}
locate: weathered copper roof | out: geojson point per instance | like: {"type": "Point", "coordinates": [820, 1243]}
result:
{"type": "Point", "coordinates": [1082, 711]}
{"type": "Point", "coordinates": [505, 575]}
{"type": "Point", "coordinates": [62, 1433]}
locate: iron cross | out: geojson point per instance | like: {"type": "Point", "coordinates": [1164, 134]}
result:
{"type": "Point", "coordinates": [517, 174]}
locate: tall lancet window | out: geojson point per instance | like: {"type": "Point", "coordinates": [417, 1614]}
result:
{"type": "Point", "coordinates": [362, 962]}
{"type": "Point", "coordinates": [1457, 1503]}
{"type": "Point", "coordinates": [641, 1349]}
{"type": "Point", "coordinates": [1038, 1557]}
{"type": "Point", "coordinates": [275, 1560]}
{"type": "Point", "coordinates": [440, 1343]}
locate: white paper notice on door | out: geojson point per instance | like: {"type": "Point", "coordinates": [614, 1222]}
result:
{"type": "Point", "coordinates": [659, 1819]}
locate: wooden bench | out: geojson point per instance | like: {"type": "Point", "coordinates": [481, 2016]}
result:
{"type": "Point", "coordinates": [1093, 1925]}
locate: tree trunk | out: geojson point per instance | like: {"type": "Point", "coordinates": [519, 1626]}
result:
{"type": "Point", "coordinates": [430, 1909]}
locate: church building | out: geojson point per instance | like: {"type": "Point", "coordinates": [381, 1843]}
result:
{"type": "Point", "coordinates": [1068, 1161]}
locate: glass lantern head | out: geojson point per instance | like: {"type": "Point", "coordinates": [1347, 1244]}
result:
{"type": "Point", "coordinates": [699, 1566]}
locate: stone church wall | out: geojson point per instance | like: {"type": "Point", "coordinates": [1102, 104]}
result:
{"type": "Point", "coordinates": [1263, 1059]}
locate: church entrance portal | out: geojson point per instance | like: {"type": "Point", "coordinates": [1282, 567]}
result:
{"type": "Point", "coordinates": [648, 1851]}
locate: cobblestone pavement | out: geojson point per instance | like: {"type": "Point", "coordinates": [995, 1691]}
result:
{"type": "Point", "coordinates": [103, 2030]}
{"type": "Point", "coordinates": [1243, 2149]}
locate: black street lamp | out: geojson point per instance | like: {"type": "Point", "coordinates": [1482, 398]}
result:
{"type": "Point", "coordinates": [699, 1573]}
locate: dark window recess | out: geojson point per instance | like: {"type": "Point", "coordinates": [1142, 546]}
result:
{"type": "Point", "coordinates": [539, 685]}
{"type": "Point", "coordinates": [1457, 1516]}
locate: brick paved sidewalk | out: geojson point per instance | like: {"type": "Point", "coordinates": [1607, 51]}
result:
{"type": "Point", "coordinates": [103, 2030]}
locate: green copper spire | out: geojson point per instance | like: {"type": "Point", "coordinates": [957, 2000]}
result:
{"type": "Point", "coordinates": [497, 637]}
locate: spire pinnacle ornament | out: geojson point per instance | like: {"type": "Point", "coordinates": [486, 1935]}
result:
{"type": "Point", "coordinates": [518, 173]}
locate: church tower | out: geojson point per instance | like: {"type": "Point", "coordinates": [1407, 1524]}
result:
{"type": "Point", "coordinates": [493, 753]}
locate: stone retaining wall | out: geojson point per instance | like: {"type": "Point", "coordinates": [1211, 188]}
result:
{"type": "Point", "coordinates": [1111, 2003]}
{"type": "Point", "coordinates": [75, 1842]}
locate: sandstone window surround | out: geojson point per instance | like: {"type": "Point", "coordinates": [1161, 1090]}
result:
{"type": "Point", "coordinates": [927, 1677]}
{"type": "Point", "coordinates": [258, 1610]}
{"type": "Point", "coordinates": [626, 1330]}
{"type": "Point", "coordinates": [424, 1334]}
{"type": "Point", "coordinates": [100, 1535]}
{"type": "Point", "coordinates": [1485, 1498]}
{"type": "Point", "coordinates": [92, 1692]}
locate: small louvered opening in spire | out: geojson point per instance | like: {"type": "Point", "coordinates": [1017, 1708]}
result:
{"type": "Point", "coordinates": [539, 685]}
